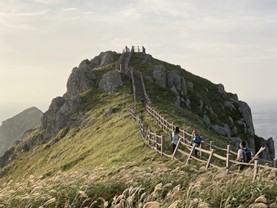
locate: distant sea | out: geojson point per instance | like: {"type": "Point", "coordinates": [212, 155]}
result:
{"type": "Point", "coordinates": [265, 120]}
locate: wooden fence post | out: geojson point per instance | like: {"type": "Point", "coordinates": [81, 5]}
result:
{"type": "Point", "coordinates": [192, 150]}
{"type": "Point", "coordinates": [228, 158]}
{"type": "Point", "coordinates": [172, 126]}
{"type": "Point", "coordinates": [200, 152]}
{"type": "Point", "coordinates": [160, 120]}
{"type": "Point", "coordinates": [162, 145]}
{"type": "Point", "coordinates": [255, 170]}
{"type": "Point", "coordinates": [148, 135]}
{"type": "Point", "coordinates": [211, 145]}
{"type": "Point", "coordinates": [210, 158]}
{"type": "Point", "coordinates": [176, 148]}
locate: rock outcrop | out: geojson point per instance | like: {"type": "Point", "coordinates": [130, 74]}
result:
{"type": "Point", "coordinates": [60, 114]}
{"type": "Point", "coordinates": [80, 80]}
{"type": "Point", "coordinates": [159, 75]}
{"type": "Point", "coordinates": [63, 110]}
{"type": "Point", "coordinates": [110, 81]}
{"type": "Point", "coordinates": [13, 129]}
{"type": "Point", "coordinates": [221, 111]}
{"type": "Point", "coordinates": [83, 78]}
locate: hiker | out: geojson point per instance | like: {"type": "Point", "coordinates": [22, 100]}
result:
{"type": "Point", "coordinates": [174, 138]}
{"type": "Point", "coordinates": [196, 139]}
{"type": "Point", "coordinates": [244, 154]}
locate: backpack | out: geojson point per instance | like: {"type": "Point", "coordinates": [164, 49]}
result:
{"type": "Point", "coordinates": [247, 155]}
{"type": "Point", "coordinates": [197, 140]}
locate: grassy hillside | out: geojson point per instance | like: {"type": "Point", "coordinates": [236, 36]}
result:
{"type": "Point", "coordinates": [104, 158]}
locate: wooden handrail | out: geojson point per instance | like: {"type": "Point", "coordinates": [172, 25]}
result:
{"type": "Point", "coordinates": [156, 141]}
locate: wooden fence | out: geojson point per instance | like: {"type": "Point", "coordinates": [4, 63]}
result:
{"type": "Point", "coordinates": [211, 156]}
{"type": "Point", "coordinates": [154, 140]}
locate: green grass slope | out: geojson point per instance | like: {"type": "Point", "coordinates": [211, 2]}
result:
{"type": "Point", "coordinates": [104, 158]}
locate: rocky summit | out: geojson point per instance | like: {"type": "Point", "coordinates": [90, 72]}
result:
{"type": "Point", "coordinates": [88, 152]}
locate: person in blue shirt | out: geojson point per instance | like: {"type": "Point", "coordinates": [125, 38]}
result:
{"type": "Point", "coordinates": [196, 139]}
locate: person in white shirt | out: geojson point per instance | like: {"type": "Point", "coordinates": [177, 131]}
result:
{"type": "Point", "coordinates": [244, 154]}
{"type": "Point", "coordinates": [174, 138]}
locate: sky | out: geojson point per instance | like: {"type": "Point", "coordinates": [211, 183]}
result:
{"type": "Point", "coordinates": [232, 42]}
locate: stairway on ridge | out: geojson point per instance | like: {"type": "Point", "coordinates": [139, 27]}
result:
{"type": "Point", "coordinates": [139, 92]}
{"type": "Point", "coordinates": [136, 79]}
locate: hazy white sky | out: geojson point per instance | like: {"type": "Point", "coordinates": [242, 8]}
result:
{"type": "Point", "coordinates": [232, 42]}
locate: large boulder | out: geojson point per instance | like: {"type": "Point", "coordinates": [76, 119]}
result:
{"type": "Point", "coordinates": [247, 116]}
{"type": "Point", "coordinates": [104, 58]}
{"type": "Point", "coordinates": [269, 152]}
{"type": "Point", "coordinates": [59, 115]}
{"type": "Point", "coordinates": [174, 81]}
{"type": "Point", "coordinates": [224, 131]}
{"type": "Point", "coordinates": [221, 90]}
{"type": "Point", "coordinates": [79, 81]}
{"type": "Point", "coordinates": [107, 57]}
{"type": "Point", "coordinates": [159, 75]}
{"type": "Point", "coordinates": [110, 81]}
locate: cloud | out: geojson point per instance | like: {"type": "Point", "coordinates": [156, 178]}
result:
{"type": "Point", "coordinates": [19, 13]}
{"type": "Point", "coordinates": [48, 2]}
{"type": "Point", "coordinates": [69, 9]}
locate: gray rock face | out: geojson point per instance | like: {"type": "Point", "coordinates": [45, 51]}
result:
{"type": "Point", "coordinates": [188, 103]}
{"type": "Point", "coordinates": [103, 59]}
{"type": "Point", "coordinates": [269, 151]}
{"type": "Point", "coordinates": [107, 58]}
{"type": "Point", "coordinates": [234, 131]}
{"type": "Point", "coordinates": [229, 105]}
{"type": "Point", "coordinates": [13, 129]}
{"type": "Point", "coordinates": [221, 89]}
{"type": "Point", "coordinates": [59, 115]}
{"type": "Point", "coordinates": [110, 81]}
{"type": "Point", "coordinates": [201, 104]}
{"type": "Point", "coordinates": [235, 141]}
{"type": "Point", "coordinates": [159, 75]}
{"type": "Point", "coordinates": [178, 101]}
{"type": "Point", "coordinates": [82, 78]}
{"type": "Point", "coordinates": [247, 116]}
{"type": "Point", "coordinates": [79, 81]}
{"type": "Point", "coordinates": [174, 81]}
{"type": "Point", "coordinates": [206, 119]}
{"type": "Point", "coordinates": [219, 130]}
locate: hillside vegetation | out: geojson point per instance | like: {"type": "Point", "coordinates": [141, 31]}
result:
{"type": "Point", "coordinates": [102, 161]}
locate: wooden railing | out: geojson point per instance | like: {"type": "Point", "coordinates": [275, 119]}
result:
{"type": "Point", "coordinates": [185, 150]}
{"type": "Point", "coordinates": [153, 139]}
{"type": "Point", "coordinates": [211, 156]}
{"type": "Point", "coordinates": [216, 151]}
